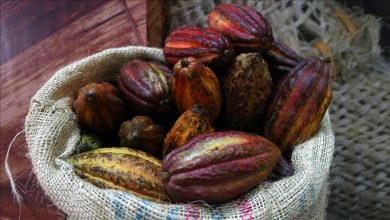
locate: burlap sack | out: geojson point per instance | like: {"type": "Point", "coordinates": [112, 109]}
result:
{"type": "Point", "coordinates": [52, 132]}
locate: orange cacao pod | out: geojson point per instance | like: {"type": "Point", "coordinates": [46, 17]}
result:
{"type": "Point", "coordinates": [246, 28]}
{"type": "Point", "coordinates": [195, 83]}
{"type": "Point", "coordinates": [298, 104]}
{"type": "Point", "coordinates": [191, 123]}
{"type": "Point", "coordinates": [201, 44]}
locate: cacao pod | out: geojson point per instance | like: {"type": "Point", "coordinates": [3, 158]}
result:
{"type": "Point", "coordinates": [122, 169]}
{"type": "Point", "coordinates": [201, 44]}
{"type": "Point", "coordinates": [246, 28]}
{"type": "Point", "coordinates": [195, 83]}
{"type": "Point", "coordinates": [99, 108]}
{"type": "Point", "coordinates": [298, 104]}
{"type": "Point", "coordinates": [145, 87]}
{"type": "Point", "coordinates": [245, 90]}
{"type": "Point", "coordinates": [281, 59]}
{"type": "Point", "coordinates": [142, 133]}
{"type": "Point", "coordinates": [282, 169]}
{"type": "Point", "coordinates": [217, 167]}
{"type": "Point", "coordinates": [166, 70]}
{"type": "Point", "coordinates": [191, 123]}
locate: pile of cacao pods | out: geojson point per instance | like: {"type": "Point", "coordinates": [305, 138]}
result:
{"type": "Point", "coordinates": [211, 123]}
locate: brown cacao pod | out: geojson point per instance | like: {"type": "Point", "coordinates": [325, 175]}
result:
{"type": "Point", "coordinates": [195, 83]}
{"type": "Point", "coordinates": [145, 87]}
{"type": "Point", "coordinates": [99, 108]}
{"type": "Point", "coordinates": [246, 28]}
{"type": "Point", "coordinates": [246, 89]}
{"type": "Point", "coordinates": [142, 133]}
{"type": "Point", "coordinates": [123, 169]}
{"type": "Point", "coordinates": [201, 44]}
{"type": "Point", "coordinates": [217, 167]}
{"type": "Point", "coordinates": [191, 123]}
{"type": "Point", "coordinates": [298, 104]}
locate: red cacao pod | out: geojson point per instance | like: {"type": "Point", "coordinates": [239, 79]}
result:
{"type": "Point", "coordinates": [166, 70]}
{"type": "Point", "coordinates": [217, 167]}
{"type": "Point", "coordinates": [195, 83]}
{"type": "Point", "coordinates": [145, 87]}
{"type": "Point", "coordinates": [298, 104]}
{"type": "Point", "coordinates": [201, 44]}
{"type": "Point", "coordinates": [281, 59]}
{"type": "Point", "coordinates": [246, 28]}
{"type": "Point", "coordinates": [282, 55]}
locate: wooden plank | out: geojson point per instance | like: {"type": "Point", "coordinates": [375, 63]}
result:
{"type": "Point", "coordinates": [23, 71]}
{"type": "Point", "coordinates": [22, 76]}
{"type": "Point", "coordinates": [156, 26]}
{"type": "Point", "coordinates": [36, 206]}
{"type": "Point", "coordinates": [24, 26]}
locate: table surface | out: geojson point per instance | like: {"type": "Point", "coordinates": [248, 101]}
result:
{"type": "Point", "coordinates": [39, 37]}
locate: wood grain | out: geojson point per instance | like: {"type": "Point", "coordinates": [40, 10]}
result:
{"type": "Point", "coordinates": [35, 204]}
{"type": "Point", "coordinates": [37, 39]}
{"type": "Point", "coordinates": [24, 27]}
{"type": "Point", "coordinates": [156, 9]}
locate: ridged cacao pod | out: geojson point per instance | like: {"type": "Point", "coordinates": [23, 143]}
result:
{"type": "Point", "coordinates": [201, 44]}
{"type": "Point", "coordinates": [166, 70]}
{"type": "Point", "coordinates": [298, 104]}
{"type": "Point", "coordinates": [217, 167]}
{"type": "Point", "coordinates": [142, 133]}
{"type": "Point", "coordinates": [246, 89]}
{"type": "Point", "coordinates": [281, 59]}
{"type": "Point", "coordinates": [195, 83]}
{"type": "Point", "coordinates": [145, 87]}
{"type": "Point", "coordinates": [246, 28]}
{"type": "Point", "coordinates": [122, 169]}
{"type": "Point", "coordinates": [191, 123]}
{"type": "Point", "coordinates": [99, 108]}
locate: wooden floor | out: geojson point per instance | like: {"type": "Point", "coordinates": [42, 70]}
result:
{"type": "Point", "coordinates": [39, 37]}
